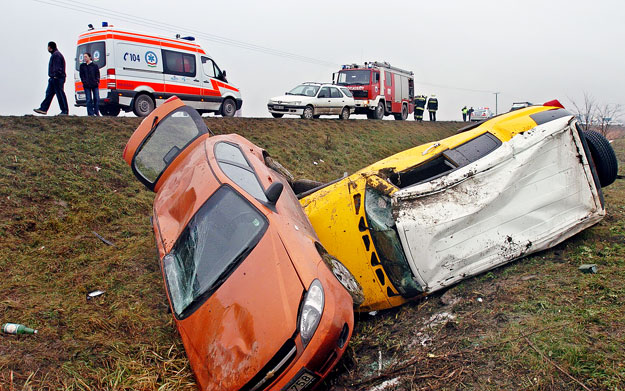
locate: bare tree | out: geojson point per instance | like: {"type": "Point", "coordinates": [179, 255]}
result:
{"type": "Point", "coordinates": [606, 115]}
{"type": "Point", "coordinates": [586, 111]}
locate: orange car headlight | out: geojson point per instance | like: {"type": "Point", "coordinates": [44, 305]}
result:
{"type": "Point", "coordinates": [312, 309]}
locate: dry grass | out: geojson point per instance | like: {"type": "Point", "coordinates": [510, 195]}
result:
{"type": "Point", "coordinates": [63, 178]}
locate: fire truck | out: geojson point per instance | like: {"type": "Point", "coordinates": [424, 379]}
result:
{"type": "Point", "coordinates": [379, 89]}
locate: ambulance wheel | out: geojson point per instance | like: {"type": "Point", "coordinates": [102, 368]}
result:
{"type": "Point", "coordinates": [379, 111]}
{"type": "Point", "coordinates": [345, 113]}
{"type": "Point", "coordinates": [228, 108]}
{"type": "Point", "coordinates": [276, 115]}
{"type": "Point", "coordinates": [143, 105]}
{"type": "Point", "coordinates": [308, 113]}
{"type": "Point", "coordinates": [110, 111]}
{"type": "Point", "coordinates": [603, 156]}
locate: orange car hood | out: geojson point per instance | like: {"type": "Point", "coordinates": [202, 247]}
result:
{"type": "Point", "coordinates": [231, 337]}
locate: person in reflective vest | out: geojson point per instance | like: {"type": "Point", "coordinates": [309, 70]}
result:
{"type": "Point", "coordinates": [465, 111]}
{"type": "Point", "coordinates": [419, 108]}
{"type": "Point", "coordinates": [432, 107]}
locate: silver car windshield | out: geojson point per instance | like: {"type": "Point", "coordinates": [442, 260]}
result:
{"type": "Point", "coordinates": [217, 239]}
{"type": "Point", "coordinates": [304, 90]}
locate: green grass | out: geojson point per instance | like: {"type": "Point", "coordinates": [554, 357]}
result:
{"type": "Point", "coordinates": [52, 197]}
{"type": "Point", "coordinates": [63, 178]}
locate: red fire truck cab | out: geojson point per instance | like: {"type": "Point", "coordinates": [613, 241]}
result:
{"type": "Point", "coordinates": [379, 89]}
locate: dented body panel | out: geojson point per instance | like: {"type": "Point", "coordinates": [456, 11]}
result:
{"type": "Point", "coordinates": [236, 266]}
{"type": "Point", "coordinates": [515, 184]}
{"type": "Point", "coordinates": [528, 195]}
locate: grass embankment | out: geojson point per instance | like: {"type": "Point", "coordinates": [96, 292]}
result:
{"type": "Point", "coordinates": [61, 179]}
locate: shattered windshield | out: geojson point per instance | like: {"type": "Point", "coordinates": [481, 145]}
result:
{"type": "Point", "coordinates": [217, 239]}
{"type": "Point", "coordinates": [304, 90]}
{"type": "Point", "coordinates": [386, 242]}
{"type": "Point", "coordinates": [359, 77]}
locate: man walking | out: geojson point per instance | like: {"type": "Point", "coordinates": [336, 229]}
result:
{"type": "Point", "coordinates": [464, 113]}
{"type": "Point", "coordinates": [432, 107]}
{"type": "Point", "coordinates": [419, 107]}
{"type": "Point", "coordinates": [470, 112]}
{"type": "Point", "coordinates": [90, 78]}
{"type": "Point", "coordinates": [56, 74]}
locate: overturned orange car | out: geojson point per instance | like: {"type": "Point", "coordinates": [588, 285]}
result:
{"type": "Point", "coordinates": [250, 289]}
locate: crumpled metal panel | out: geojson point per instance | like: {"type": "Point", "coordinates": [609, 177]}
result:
{"type": "Point", "coordinates": [531, 193]}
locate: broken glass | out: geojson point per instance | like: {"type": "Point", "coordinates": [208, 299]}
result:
{"type": "Point", "coordinates": [217, 239]}
{"type": "Point", "coordinates": [386, 242]}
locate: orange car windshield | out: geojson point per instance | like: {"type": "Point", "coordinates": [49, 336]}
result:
{"type": "Point", "coordinates": [217, 239]}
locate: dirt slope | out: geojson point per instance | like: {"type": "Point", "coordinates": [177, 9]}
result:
{"type": "Point", "coordinates": [61, 180]}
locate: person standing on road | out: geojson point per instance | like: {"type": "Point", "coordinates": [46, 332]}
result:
{"type": "Point", "coordinates": [470, 112]}
{"type": "Point", "coordinates": [432, 107]}
{"type": "Point", "coordinates": [90, 78]}
{"type": "Point", "coordinates": [56, 74]}
{"type": "Point", "coordinates": [419, 104]}
{"type": "Point", "coordinates": [464, 113]}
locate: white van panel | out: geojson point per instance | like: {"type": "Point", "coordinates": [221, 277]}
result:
{"type": "Point", "coordinates": [528, 195]}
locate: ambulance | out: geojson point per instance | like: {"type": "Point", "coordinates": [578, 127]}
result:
{"type": "Point", "coordinates": [138, 72]}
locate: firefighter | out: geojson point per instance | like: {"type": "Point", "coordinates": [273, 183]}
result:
{"type": "Point", "coordinates": [419, 107]}
{"type": "Point", "coordinates": [432, 107]}
{"type": "Point", "coordinates": [465, 111]}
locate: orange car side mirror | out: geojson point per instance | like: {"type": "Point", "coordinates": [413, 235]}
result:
{"type": "Point", "coordinates": [273, 192]}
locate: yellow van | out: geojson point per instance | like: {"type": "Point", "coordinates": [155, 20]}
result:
{"type": "Point", "coordinates": [427, 217]}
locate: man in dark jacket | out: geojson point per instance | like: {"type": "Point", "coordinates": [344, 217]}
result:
{"type": "Point", "coordinates": [90, 78]}
{"type": "Point", "coordinates": [432, 107]}
{"type": "Point", "coordinates": [419, 107]}
{"type": "Point", "coordinates": [56, 74]}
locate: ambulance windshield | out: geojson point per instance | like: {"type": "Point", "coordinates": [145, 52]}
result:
{"type": "Point", "coordinates": [97, 51]}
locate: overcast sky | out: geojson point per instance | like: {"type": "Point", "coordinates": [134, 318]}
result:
{"type": "Point", "coordinates": [527, 50]}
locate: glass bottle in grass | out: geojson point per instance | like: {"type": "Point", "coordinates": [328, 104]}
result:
{"type": "Point", "coordinates": [16, 328]}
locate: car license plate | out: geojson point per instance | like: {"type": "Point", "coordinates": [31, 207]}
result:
{"type": "Point", "coordinates": [278, 107]}
{"type": "Point", "coordinates": [302, 381]}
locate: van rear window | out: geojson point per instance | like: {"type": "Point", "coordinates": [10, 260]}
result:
{"type": "Point", "coordinates": [97, 51]}
{"type": "Point", "coordinates": [178, 63]}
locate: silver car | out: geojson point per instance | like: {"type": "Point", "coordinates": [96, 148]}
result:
{"type": "Point", "coordinates": [311, 100]}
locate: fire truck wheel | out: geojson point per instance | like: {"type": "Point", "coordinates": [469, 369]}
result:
{"type": "Point", "coordinates": [345, 113]}
{"type": "Point", "coordinates": [276, 115]}
{"type": "Point", "coordinates": [403, 115]}
{"type": "Point", "coordinates": [143, 105]}
{"type": "Point", "coordinates": [228, 108]}
{"type": "Point", "coordinates": [308, 112]}
{"type": "Point", "coordinates": [379, 111]}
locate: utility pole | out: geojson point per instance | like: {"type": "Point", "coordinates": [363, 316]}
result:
{"type": "Point", "coordinates": [496, 108]}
